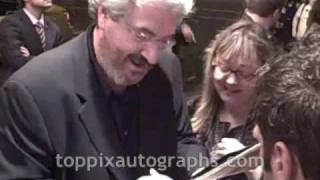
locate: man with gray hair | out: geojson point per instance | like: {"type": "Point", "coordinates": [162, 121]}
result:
{"type": "Point", "coordinates": [100, 106]}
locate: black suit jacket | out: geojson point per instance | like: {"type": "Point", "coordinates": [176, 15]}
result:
{"type": "Point", "coordinates": [54, 105]}
{"type": "Point", "coordinates": [17, 30]}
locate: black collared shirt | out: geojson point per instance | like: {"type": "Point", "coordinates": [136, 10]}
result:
{"type": "Point", "coordinates": [220, 130]}
{"type": "Point", "coordinates": [124, 108]}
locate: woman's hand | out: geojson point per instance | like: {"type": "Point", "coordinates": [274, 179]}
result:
{"type": "Point", "coordinates": [226, 146]}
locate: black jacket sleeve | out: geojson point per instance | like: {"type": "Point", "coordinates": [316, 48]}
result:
{"type": "Point", "coordinates": [189, 146]}
{"type": "Point", "coordinates": [25, 148]}
{"type": "Point", "coordinates": [10, 43]}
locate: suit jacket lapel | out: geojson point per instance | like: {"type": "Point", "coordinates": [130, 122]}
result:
{"type": "Point", "coordinates": [93, 113]}
{"type": "Point", "coordinates": [101, 130]}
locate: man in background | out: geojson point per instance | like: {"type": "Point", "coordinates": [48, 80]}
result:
{"type": "Point", "coordinates": [267, 14]}
{"type": "Point", "coordinates": [264, 12]}
{"type": "Point", "coordinates": [27, 33]}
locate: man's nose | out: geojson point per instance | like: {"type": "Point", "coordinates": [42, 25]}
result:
{"type": "Point", "coordinates": [152, 53]}
{"type": "Point", "coordinates": [232, 79]}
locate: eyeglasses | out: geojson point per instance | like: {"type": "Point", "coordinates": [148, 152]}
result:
{"type": "Point", "coordinates": [226, 72]}
{"type": "Point", "coordinates": [146, 36]}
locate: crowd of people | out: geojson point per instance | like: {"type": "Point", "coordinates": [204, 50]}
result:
{"type": "Point", "coordinates": [116, 91]}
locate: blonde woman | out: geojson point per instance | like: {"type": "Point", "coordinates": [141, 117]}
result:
{"type": "Point", "coordinates": [230, 75]}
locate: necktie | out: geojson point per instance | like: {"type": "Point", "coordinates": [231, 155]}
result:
{"type": "Point", "coordinates": [40, 30]}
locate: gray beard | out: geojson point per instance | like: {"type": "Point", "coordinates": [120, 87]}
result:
{"type": "Point", "coordinates": [113, 73]}
{"type": "Point", "coordinates": [111, 70]}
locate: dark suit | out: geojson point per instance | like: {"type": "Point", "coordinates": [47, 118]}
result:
{"type": "Point", "coordinates": [17, 30]}
{"type": "Point", "coordinates": [271, 34]}
{"type": "Point", "coordinates": [54, 105]}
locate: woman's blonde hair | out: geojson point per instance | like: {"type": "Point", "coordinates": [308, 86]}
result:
{"type": "Point", "coordinates": [243, 39]}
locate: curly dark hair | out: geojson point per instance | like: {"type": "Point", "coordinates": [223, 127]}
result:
{"type": "Point", "coordinates": [287, 107]}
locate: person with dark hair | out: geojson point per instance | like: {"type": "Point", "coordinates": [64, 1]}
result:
{"type": "Point", "coordinates": [286, 112]}
{"type": "Point", "coordinates": [264, 12]}
{"type": "Point", "coordinates": [27, 33]}
{"type": "Point", "coordinates": [268, 14]}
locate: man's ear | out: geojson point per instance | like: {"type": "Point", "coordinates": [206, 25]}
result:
{"type": "Point", "coordinates": [282, 162]}
{"type": "Point", "coordinates": [102, 16]}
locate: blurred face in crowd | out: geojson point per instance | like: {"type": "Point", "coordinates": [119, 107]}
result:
{"type": "Point", "coordinates": [234, 79]}
{"type": "Point", "coordinates": [128, 47]}
{"type": "Point", "coordinates": [41, 4]}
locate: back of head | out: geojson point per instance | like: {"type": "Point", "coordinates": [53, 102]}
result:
{"type": "Point", "coordinates": [264, 8]}
{"type": "Point", "coordinates": [287, 106]}
{"type": "Point", "coordinates": [118, 8]}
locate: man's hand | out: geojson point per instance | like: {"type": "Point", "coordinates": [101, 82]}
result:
{"type": "Point", "coordinates": [226, 146]}
{"type": "Point", "coordinates": [154, 175]}
{"type": "Point", "coordinates": [24, 51]}
{"type": "Point", "coordinates": [188, 33]}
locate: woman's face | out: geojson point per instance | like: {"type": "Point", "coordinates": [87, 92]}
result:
{"type": "Point", "coordinates": [235, 80]}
